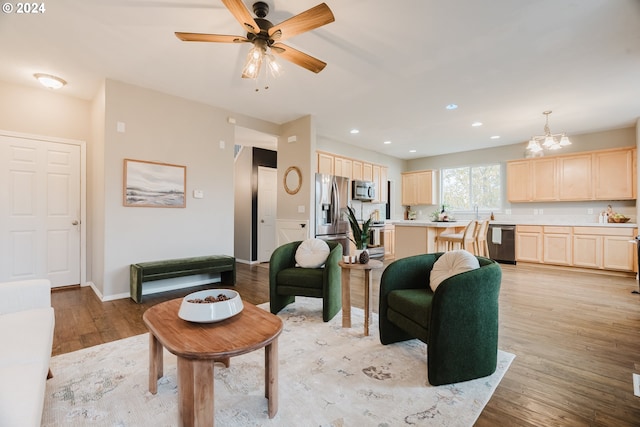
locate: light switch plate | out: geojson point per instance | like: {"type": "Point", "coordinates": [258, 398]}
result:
{"type": "Point", "coordinates": [636, 384]}
{"type": "Point", "coordinates": [301, 209]}
{"type": "Point", "coordinates": [198, 194]}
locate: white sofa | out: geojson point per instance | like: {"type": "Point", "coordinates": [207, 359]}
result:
{"type": "Point", "coordinates": [26, 339]}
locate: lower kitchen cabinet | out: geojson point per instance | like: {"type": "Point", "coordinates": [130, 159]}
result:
{"type": "Point", "coordinates": [389, 241]}
{"type": "Point", "coordinates": [556, 245]}
{"type": "Point", "coordinates": [604, 248]}
{"type": "Point", "coordinates": [529, 243]}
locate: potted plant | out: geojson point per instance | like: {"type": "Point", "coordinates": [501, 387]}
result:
{"type": "Point", "coordinates": [360, 234]}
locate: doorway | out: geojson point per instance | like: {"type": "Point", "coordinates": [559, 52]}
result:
{"type": "Point", "coordinates": [267, 210]}
{"type": "Point", "coordinates": [41, 209]}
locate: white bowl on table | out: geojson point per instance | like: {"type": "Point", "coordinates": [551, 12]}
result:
{"type": "Point", "coordinates": [208, 312]}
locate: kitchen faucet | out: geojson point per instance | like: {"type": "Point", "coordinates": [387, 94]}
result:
{"type": "Point", "coordinates": [475, 209]}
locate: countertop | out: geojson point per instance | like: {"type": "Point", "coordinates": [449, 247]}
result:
{"type": "Point", "coordinates": [550, 222]}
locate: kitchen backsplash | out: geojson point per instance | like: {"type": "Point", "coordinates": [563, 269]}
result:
{"type": "Point", "coordinates": [560, 212]}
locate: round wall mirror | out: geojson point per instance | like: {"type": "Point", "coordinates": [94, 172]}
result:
{"type": "Point", "coordinates": [292, 180]}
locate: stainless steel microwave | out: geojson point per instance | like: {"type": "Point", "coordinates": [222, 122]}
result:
{"type": "Point", "coordinates": [364, 191]}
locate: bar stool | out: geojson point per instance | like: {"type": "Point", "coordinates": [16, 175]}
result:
{"type": "Point", "coordinates": [464, 238]}
{"type": "Point", "coordinates": [481, 247]}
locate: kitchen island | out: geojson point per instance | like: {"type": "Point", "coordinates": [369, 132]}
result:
{"type": "Point", "coordinates": [414, 237]}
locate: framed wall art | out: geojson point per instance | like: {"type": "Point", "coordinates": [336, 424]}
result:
{"type": "Point", "coordinates": [152, 184]}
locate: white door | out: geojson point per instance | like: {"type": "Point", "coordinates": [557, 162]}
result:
{"type": "Point", "coordinates": [39, 210]}
{"type": "Point", "coordinates": [267, 205]}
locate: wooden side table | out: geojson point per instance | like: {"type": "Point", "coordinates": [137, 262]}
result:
{"type": "Point", "coordinates": [346, 291]}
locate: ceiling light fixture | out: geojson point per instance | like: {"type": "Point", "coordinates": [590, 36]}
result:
{"type": "Point", "coordinates": [476, 124]}
{"type": "Point", "coordinates": [354, 131]}
{"type": "Point", "coordinates": [258, 55]}
{"type": "Point", "coordinates": [495, 137]}
{"type": "Point", "coordinates": [451, 107]}
{"type": "Point", "coordinates": [387, 142]}
{"type": "Point", "coordinates": [49, 81]}
{"type": "Point", "coordinates": [550, 141]}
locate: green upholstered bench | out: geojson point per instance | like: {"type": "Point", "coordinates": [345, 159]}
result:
{"type": "Point", "coordinates": [170, 268]}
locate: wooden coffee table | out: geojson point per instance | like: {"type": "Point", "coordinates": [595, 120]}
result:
{"type": "Point", "coordinates": [346, 291]}
{"type": "Point", "coordinates": [199, 345]}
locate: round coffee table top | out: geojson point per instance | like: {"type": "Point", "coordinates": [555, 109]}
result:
{"type": "Point", "coordinates": [371, 265]}
{"type": "Point", "coordinates": [249, 330]}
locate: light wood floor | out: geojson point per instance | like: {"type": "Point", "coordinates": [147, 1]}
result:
{"type": "Point", "coordinates": [576, 337]}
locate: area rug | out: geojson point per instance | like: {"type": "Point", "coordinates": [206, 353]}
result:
{"type": "Point", "coordinates": [328, 377]}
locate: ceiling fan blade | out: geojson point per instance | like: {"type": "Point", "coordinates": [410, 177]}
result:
{"type": "Point", "coordinates": [298, 58]}
{"type": "Point", "coordinates": [242, 15]}
{"type": "Point", "coordinates": [217, 38]}
{"type": "Point", "coordinates": [306, 21]}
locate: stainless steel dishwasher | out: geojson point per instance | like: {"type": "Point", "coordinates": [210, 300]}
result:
{"type": "Point", "coordinates": [501, 240]}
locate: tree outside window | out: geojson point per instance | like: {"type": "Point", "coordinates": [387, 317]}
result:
{"type": "Point", "coordinates": [464, 188]}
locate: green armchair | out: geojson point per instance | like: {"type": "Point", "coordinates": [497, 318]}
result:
{"type": "Point", "coordinates": [458, 322]}
{"type": "Point", "coordinates": [286, 280]}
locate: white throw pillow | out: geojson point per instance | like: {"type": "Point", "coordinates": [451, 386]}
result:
{"type": "Point", "coordinates": [312, 253]}
{"type": "Point", "coordinates": [450, 264]}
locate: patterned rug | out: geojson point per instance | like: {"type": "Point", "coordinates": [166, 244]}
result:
{"type": "Point", "coordinates": [328, 377]}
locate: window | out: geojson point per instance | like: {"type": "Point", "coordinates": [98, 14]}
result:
{"type": "Point", "coordinates": [462, 189]}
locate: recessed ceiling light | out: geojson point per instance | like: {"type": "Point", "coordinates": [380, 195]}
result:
{"type": "Point", "coordinates": [387, 142]}
{"type": "Point", "coordinates": [412, 151]}
{"type": "Point", "coordinates": [49, 81]}
{"type": "Point", "coordinates": [451, 106]}
{"type": "Point", "coordinates": [476, 124]}
{"type": "Point", "coordinates": [495, 137]}
{"type": "Point", "coordinates": [354, 131]}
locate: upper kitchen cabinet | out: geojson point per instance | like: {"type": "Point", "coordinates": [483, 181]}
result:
{"type": "Point", "coordinates": [594, 175]}
{"type": "Point", "coordinates": [518, 181]}
{"type": "Point", "coordinates": [616, 174]}
{"type": "Point", "coordinates": [574, 177]}
{"type": "Point", "coordinates": [325, 163]}
{"type": "Point", "coordinates": [342, 167]}
{"type": "Point", "coordinates": [355, 170]}
{"type": "Point", "coordinates": [417, 188]}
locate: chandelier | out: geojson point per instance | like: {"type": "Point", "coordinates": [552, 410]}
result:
{"type": "Point", "coordinates": [549, 141]}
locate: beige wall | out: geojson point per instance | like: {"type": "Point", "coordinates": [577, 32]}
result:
{"type": "Point", "coordinates": [166, 129]}
{"type": "Point", "coordinates": [298, 153]}
{"type": "Point", "coordinates": [44, 112]}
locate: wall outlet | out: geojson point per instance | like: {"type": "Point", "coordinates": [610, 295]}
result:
{"type": "Point", "coordinates": [535, 211]}
{"type": "Point", "coordinates": [507, 211]}
{"type": "Point", "coordinates": [540, 211]}
{"type": "Point", "coordinates": [590, 211]}
{"type": "Point", "coordinates": [636, 384]}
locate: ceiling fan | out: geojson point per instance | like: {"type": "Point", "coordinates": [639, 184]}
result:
{"type": "Point", "coordinates": [267, 37]}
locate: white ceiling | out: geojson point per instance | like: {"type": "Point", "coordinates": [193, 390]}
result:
{"type": "Point", "coordinates": [392, 65]}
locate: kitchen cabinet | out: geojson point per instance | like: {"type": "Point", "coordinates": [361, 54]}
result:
{"type": "Point", "coordinates": [417, 188]}
{"type": "Point", "coordinates": [556, 244]}
{"type": "Point", "coordinates": [574, 177]}
{"type": "Point", "coordinates": [325, 163]}
{"type": "Point", "coordinates": [544, 182]}
{"type": "Point", "coordinates": [594, 175]}
{"type": "Point", "coordinates": [615, 173]}
{"type": "Point", "coordinates": [383, 195]}
{"type": "Point", "coordinates": [529, 243]}
{"type": "Point", "coordinates": [367, 172]}
{"type": "Point", "coordinates": [519, 181]}
{"type": "Point", "coordinates": [389, 241]}
{"type": "Point", "coordinates": [342, 167]}
{"type": "Point", "coordinates": [605, 248]}
{"type": "Point", "coordinates": [356, 171]}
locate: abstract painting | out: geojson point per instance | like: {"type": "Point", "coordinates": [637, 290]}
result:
{"type": "Point", "coordinates": [151, 184]}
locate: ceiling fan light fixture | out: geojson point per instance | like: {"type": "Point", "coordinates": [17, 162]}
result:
{"type": "Point", "coordinates": [252, 67]}
{"type": "Point", "coordinates": [49, 81]}
{"type": "Point", "coordinates": [564, 141]}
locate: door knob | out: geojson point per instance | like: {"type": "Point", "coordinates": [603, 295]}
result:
{"type": "Point", "coordinates": [75, 222]}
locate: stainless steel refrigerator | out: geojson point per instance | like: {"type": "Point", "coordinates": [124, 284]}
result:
{"type": "Point", "coordinates": [332, 193]}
